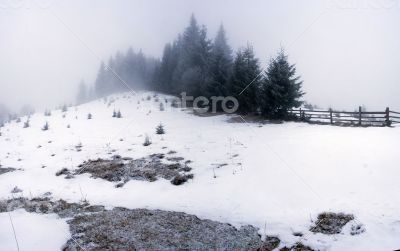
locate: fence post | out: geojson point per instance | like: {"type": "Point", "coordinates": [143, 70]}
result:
{"type": "Point", "coordinates": [330, 115]}
{"type": "Point", "coordinates": [359, 115]}
{"type": "Point", "coordinates": [301, 115]}
{"type": "Point", "coordinates": [387, 116]}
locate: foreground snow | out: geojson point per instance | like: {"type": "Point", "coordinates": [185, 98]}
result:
{"type": "Point", "coordinates": [275, 177]}
{"type": "Point", "coordinates": [33, 231]}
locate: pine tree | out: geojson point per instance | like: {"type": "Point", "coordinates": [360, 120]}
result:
{"type": "Point", "coordinates": [26, 123]}
{"type": "Point", "coordinates": [119, 115]}
{"type": "Point", "coordinates": [83, 94]}
{"type": "Point", "coordinates": [114, 114]}
{"type": "Point", "coordinates": [245, 82]}
{"type": "Point", "coordinates": [162, 106]}
{"type": "Point", "coordinates": [160, 129]}
{"type": "Point", "coordinates": [147, 141]}
{"type": "Point", "coordinates": [45, 127]}
{"type": "Point", "coordinates": [165, 72]}
{"type": "Point", "coordinates": [89, 116]}
{"type": "Point", "coordinates": [220, 66]}
{"type": "Point", "coordinates": [101, 81]}
{"type": "Point", "coordinates": [190, 74]}
{"type": "Point", "coordinates": [281, 88]}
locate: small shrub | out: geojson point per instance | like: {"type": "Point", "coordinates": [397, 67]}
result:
{"type": "Point", "coordinates": [160, 129]}
{"type": "Point", "coordinates": [162, 107]}
{"type": "Point", "coordinates": [119, 115]}
{"type": "Point", "coordinates": [89, 116]}
{"type": "Point", "coordinates": [357, 229]}
{"type": "Point", "coordinates": [180, 179]}
{"type": "Point", "coordinates": [147, 141]}
{"type": "Point", "coordinates": [47, 113]}
{"type": "Point", "coordinates": [26, 124]}
{"type": "Point", "coordinates": [114, 114]}
{"type": "Point", "coordinates": [63, 171]}
{"type": "Point", "coordinates": [16, 190]}
{"type": "Point", "coordinates": [45, 127]}
{"type": "Point", "coordinates": [175, 103]}
{"type": "Point", "coordinates": [18, 120]}
{"type": "Point", "coordinates": [64, 108]}
{"type": "Point", "coordinates": [331, 223]}
{"type": "Point", "coordinates": [148, 97]}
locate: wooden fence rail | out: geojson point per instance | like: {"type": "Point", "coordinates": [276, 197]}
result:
{"type": "Point", "coordinates": [356, 118]}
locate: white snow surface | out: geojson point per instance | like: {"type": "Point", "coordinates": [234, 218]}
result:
{"type": "Point", "coordinates": [277, 177]}
{"type": "Point", "coordinates": [33, 232]}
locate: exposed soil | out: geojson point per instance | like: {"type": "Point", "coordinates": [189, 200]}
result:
{"type": "Point", "coordinates": [4, 170]}
{"type": "Point", "coordinates": [142, 229]}
{"type": "Point", "coordinates": [121, 170]}
{"type": "Point", "coordinates": [331, 223]}
{"type": "Point", "coordinates": [270, 243]}
{"type": "Point", "coordinates": [297, 247]}
{"type": "Point", "coordinates": [46, 206]}
{"type": "Point", "coordinates": [94, 228]}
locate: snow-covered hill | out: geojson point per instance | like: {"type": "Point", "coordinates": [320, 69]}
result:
{"type": "Point", "coordinates": [277, 177]}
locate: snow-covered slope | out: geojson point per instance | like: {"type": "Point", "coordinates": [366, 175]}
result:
{"type": "Point", "coordinates": [277, 177]}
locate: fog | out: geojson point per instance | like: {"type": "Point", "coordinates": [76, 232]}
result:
{"type": "Point", "coordinates": [347, 52]}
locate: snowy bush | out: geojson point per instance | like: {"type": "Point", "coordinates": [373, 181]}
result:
{"type": "Point", "coordinates": [119, 115]}
{"type": "Point", "coordinates": [147, 141]}
{"type": "Point", "coordinates": [26, 124]}
{"type": "Point", "coordinates": [45, 127]}
{"type": "Point", "coordinates": [175, 103]}
{"type": "Point", "coordinates": [89, 116]}
{"type": "Point", "coordinates": [162, 107]}
{"type": "Point", "coordinates": [64, 108]}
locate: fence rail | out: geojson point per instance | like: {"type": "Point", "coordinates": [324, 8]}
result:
{"type": "Point", "coordinates": [356, 118]}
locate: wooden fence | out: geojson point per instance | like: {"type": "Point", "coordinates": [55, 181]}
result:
{"type": "Point", "coordinates": [356, 118]}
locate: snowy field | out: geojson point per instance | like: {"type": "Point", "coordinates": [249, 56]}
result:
{"type": "Point", "coordinates": [277, 177]}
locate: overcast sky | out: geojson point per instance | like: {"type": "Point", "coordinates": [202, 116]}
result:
{"type": "Point", "coordinates": [347, 52]}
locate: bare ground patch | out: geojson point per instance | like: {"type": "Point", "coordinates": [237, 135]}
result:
{"type": "Point", "coordinates": [331, 223]}
{"type": "Point", "coordinates": [4, 170]}
{"type": "Point", "coordinates": [45, 205]}
{"type": "Point", "coordinates": [121, 170]}
{"type": "Point", "coordinates": [142, 229]}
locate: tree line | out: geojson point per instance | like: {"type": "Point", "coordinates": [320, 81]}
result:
{"type": "Point", "coordinates": [194, 64]}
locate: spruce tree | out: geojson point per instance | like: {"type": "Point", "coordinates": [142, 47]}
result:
{"type": "Point", "coordinates": [220, 66]}
{"type": "Point", "coordinates": [101, 81]}
{"type": "Point", "coordinates": [190, 74]}
{"type": "Point", "coordinates": [281, 88]}
{"type": "Point", "coordinates": [160, 129]}
{"type": "Point", "coordinates": [245, 82]}
{"type": "Point", "coordinates": [82, 96]}
{"type": "Point", "coordinates": [45, 127]}
{"type": "Point", "coordinates": [26, 123]}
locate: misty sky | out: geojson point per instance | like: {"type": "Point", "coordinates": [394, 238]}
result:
{"type": "Point", "coordinates": [347, 52]}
